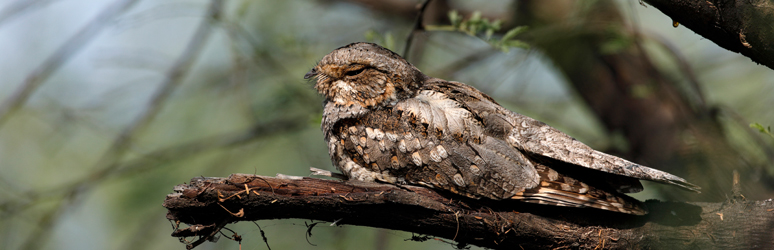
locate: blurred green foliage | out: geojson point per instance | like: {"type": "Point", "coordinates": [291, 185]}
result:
{"type": "Point", "coordinates": [764, 130]}
{"type": "Point", "coordinates": [478, 26]}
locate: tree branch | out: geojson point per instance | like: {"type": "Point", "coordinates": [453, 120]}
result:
{"type": "Point", "coordinates": [739, 26]}
{"type": "Point", "coordinates": [418, 27]}
{"type": "Point", "coordinates": [72, 46]}
{"type": "Point", "coordinates": [208, 204]}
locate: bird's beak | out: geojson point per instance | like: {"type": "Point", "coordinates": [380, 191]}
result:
{"type": "Point", "coordinates": [311, 73]}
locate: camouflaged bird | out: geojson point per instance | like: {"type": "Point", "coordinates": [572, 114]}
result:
{"type": "Point", "coordinates": [385, 121]}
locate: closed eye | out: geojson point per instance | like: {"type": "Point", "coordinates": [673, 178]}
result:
{"type": "Point", "coordinates": [354, 72]}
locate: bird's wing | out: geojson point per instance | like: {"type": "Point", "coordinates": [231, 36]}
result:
{"type": "Point", "coordinates": [534, 137]}
{"type": "Point", "coordinates": [431, 140]}
{"type": "Point", "coordinates": [538, 138]}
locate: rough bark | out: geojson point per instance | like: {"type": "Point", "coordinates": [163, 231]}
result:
{"type": "Point", "coordinates": [208, 204]}
{"type": "Point", "coordinates": [742, 26]}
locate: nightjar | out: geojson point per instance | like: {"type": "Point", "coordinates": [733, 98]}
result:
{"type": "Point", "coordinates": [385, 121]}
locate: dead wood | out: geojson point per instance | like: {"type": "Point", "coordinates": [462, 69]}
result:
{"type": "Point", "coordinates": [208, 204]}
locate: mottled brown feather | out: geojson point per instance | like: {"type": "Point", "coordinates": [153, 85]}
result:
{"type": "Point", "coordinates": [385, 121]}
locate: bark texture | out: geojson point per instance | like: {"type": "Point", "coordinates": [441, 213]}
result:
{"type": "Point", "coordinates": [208, 204]}
{"type": "Point", "coordinates": [742, 26]}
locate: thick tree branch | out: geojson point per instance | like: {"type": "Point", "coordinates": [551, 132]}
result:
{"type": "Point", "coordinates": [742, 26]}
{"type": "Point", "coordinates": [208, 204]}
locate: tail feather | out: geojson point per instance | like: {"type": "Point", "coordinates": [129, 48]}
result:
{"type": "Point", "coordinates": [558, 190]}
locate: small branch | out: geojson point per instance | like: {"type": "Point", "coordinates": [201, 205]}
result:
{"type": "Point", "coordinates": [71, 47]}
{"type": "Point", "coordinates": [107, 163]}
{"type": "Point", "coordinates": [208, 203]}
{"type": "Point", "coordinates": [739, 26]}
{"type": "Point", "coordinates": [173, 79]}
{"type": "Point", "coordinates": [418, 27]}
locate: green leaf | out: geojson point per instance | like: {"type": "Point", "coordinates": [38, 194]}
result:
{"type": "Point", "coordinates": [766, 130]}
{"type": "Point", "coordinates": [455, 18]}
{"type": "Point", "coordinates": [497, 24]}
{"type": "Point", "coordinates": [514, 32]}
{"type": "Point", "coordinates": [759, 127]}
{"type": "Point", "coordinates": [475, 17]}
{"type": "Point", "coordinates": [517, 44]}
{"type": "Point", "coordinates": [484, 29]}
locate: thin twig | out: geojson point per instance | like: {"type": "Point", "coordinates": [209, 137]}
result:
{"type": "Point", "coordinates": [107, 163]}
{"type": "Point", "coordinates": [210, 236]}
{"type": "Point", "coordinates": [162, 156]}
{"type": "Point", "coordinates": [173, 79]}
{"type": "Point", "coordinates": [263, 235]}
{"type": "Point", "coordinates": [685, 67]}
{"type": "Point", "coordinates": [59, 57]}
{"type": "Point", "coordinates": [418, 26]}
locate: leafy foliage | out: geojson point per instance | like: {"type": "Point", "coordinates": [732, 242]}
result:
{"type": "Point", "coordinates": [765, 130]}
{"type": "Point", "coordinates": [484, 29]}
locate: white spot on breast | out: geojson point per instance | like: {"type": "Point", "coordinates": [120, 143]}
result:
{"type": "Point", "coordinates": [394, 162]}
{"type": "Point", "coordinates": [474, 169]}
{"type": "Point", "coordinates": [349, 165]}
{"type": "Point", "coordinates": [332, 145]}
{"type": "Point", "coordinates": [357, 172]}
{"type": "Point", "coordinates": [382, 147]}
{"type": "Point", "coordinates": [402, 146]}
{"type": "Point", "coordinates": [416, 159]}
{"type": "Point", "coordinates": [434, 156]}
{"type": "Point", "coordinates": [379, 134]}
{"type": "Point", "coordinates": [458, 180]}
{"type": "Point", "coordinates": [392, 137]}
{"type": "Point", "coordinates": [441, 151]}
{"type": "Point", "coordinates": [370, 133]}
{"type": "Point", "coordinates": [415, 144]}
{"type": "Point", "coordinates": [352, 130]}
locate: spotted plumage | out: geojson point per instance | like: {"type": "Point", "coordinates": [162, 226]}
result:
{"type": "Point", "coordinates": [385, 121]}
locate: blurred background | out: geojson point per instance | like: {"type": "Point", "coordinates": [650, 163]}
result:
{"type": "Point", "coordinates": [106, 105]}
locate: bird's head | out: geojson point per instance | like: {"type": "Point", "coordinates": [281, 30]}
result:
{"type": "Point", "coordinates": [365, 74]}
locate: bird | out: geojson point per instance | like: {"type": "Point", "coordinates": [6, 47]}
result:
{"type": "Point", "coordinates": [385, 121]}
